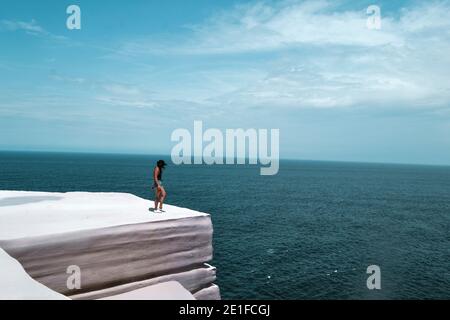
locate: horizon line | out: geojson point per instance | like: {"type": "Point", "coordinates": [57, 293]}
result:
{"type": "Point", "coordinates": [168, 155]}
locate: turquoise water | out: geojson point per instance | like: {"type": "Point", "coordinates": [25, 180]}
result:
{"type": "Point", "coordinates": [307, 233]}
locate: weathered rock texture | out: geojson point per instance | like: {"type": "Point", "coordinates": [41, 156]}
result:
{"type": "Point", "coordinates": [16, 284]}
{"type": "Point", "coordinates": [118, 244]}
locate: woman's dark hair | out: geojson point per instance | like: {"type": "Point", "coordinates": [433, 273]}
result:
{"type": "Point", "coordinates": [161, 164]}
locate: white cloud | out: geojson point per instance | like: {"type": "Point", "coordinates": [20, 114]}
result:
{"type": "Point", "coordinates": [330, 58]}
{"type": "Point", "coordinates": [346, 78]}
{"type": "Point", "coordinates": [126, 102]}
{"type": "Point", "coordinates": [282, 25]}
{"type": "Point", "coordinates": [125, 95]}
{"type": "Point", "coordinates": [31, 28]}
{"type": "Point", "coordinates": [311, 54]}
{"type": "Point", "coordinates": [75, 80]}
{"type": "Point", "coordinates": [319, 55]}
{"type": "Point", "coordinates": [122, 89]}
{"type": "Point", "coordinates": [429, 16]}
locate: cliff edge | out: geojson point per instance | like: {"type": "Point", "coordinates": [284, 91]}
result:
{"type": "Point", "coordinates": [113, 239]}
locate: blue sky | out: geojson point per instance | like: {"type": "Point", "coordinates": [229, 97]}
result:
{"type": "Point", "coordinates": [137, 70]}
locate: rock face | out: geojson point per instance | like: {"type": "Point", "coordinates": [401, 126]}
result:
{"type": "Point", "coordinates": [171, 290]}
{"type": "Point", "coordinates": [115, 241]}
{"type": "Point", "coordinates": [15, 283]}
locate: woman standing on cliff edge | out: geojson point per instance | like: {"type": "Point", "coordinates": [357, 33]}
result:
{"type": "Point", "coordinates": [160, 193]}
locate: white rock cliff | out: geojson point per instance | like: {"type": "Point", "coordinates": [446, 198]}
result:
{"type": "Point", "coordinates": [118, 244]}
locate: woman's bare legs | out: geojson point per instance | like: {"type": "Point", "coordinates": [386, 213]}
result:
{"type": "Point", "coordinates": [157, 196]}
{"type": "Point", "coordinates": [163, 195]}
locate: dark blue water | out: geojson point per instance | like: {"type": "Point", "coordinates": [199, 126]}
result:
{"type": "Point", "coordinates": [309, 232]}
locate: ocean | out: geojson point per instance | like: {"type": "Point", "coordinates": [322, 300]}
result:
{"type": "Point", "coordinates": [309, 232]}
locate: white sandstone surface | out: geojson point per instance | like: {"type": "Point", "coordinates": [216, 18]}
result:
{"type": "Point", "coordinates": [16, 284]}
{"type": "Point", "coordinates": [171, 290]}
{"type": "Point", "coordinates": [211, 292]}
{"type": "Point", "coordinates": [29, 214]}
{"type": "Point", "coordinates": [193, 280]}
{"type": "Point", "coordinates": [116, 241]}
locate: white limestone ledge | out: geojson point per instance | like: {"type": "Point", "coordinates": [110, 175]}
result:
{"type": "Point", "coordinates": [119, 245]}
{"type": "Point", "coordinates": [16, 284]}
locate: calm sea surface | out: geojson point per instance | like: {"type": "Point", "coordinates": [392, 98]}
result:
{"type": "Point", "coordinates": [309, 232]}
